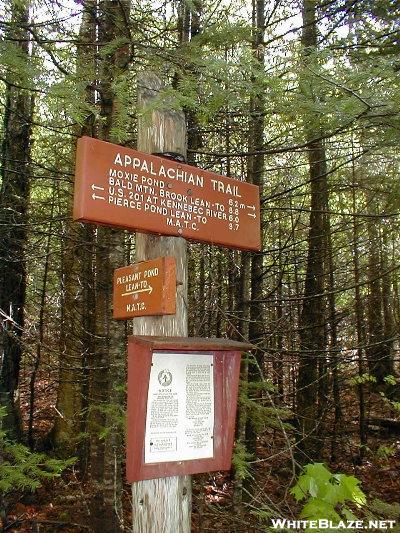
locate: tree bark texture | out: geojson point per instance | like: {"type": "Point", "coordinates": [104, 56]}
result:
{"type": "Point", "coordinates": [312, 363]}
{"type": "Point", "coordinates": [108, 375]}
{"type": "Point", "coordinates": [78, 306]}
{"type": "Point", "coordinates": [378, 351]}
{"type": "Point", "coordinates": [360, 324]}
{"type": "Point", "coordinates": [162, 505]}
{"type": "Point", "coordinates": [14, 199]}
{"type": "Point", "coordinates": [256, 176]}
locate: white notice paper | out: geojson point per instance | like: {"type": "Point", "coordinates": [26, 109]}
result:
{"type": "Point", "coordinates": [180, 408]}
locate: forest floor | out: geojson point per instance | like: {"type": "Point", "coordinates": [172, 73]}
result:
{"type": "Point", "coordinates": [63, 505]}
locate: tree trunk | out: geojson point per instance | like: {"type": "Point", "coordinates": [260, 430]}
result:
{"type": "Point", "coordinates": [41, 328]}
{"type": "Point", "coordinates": [256, 176]}
{"type": "Point", "coordinates": [280, 322]}
{"type": "Point", "coordinates": [14, 198]}
{"type": "Point", "coordinates": [107, 397]}
{"type": "Point", "coordinates": [388, 318]}
{"type": "Point", "coordinates": [77, 316]}
{"type": "Point", "coordinates": [379, 358]}
{"type": "Point", "coordinates": [360, 327]}
{"type": "Point", "coordinates": [333, 346]}
{"type": "Point", "coordinates": [242, 293]}
{"type": "Point", "coordinates": [312, 364]}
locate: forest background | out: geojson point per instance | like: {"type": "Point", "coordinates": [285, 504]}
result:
{"type": "Point", "coordinates": [299, 97]}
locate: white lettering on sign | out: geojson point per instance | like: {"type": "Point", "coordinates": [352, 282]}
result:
{"type": "Point", "coordinates": [180, 408]}
{"type": "Point", "coordinates": [148, 167]}
{"type": "Point", "coordinates": [226, 188]}
{"type": "Point", "coordinates": [153, 196]}
{"type": "Point", "coordinates": [134, 284]}
{"type": "Point", "coordinates": [139, 306]}
{"type": "Point", "coordinates": [121, 187]}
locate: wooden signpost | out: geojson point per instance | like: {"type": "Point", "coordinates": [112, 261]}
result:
{"type": "Point", "coordinates": [162, 505]}
{"type": "Point", "coordinates": [145, 289]}
{"type": "Point", "coordinates": [134, 190]}
{"type": "Point", "coordinates": [126, 188]}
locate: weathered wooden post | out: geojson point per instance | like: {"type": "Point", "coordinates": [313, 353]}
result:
{"type": "Point", "coordinates": [162, 505]}
{"type": "Point", "coordinates": [121, 187]}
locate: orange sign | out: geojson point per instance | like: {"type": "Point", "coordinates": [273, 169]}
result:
{"type": "Point", "coordinates": [146, 288]}
{"type": "Point", "coordinates": [117, 186]}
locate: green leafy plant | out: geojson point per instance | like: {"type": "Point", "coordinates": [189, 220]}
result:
{"type": "Point", "coordinates": [362, 379]}
{"type": "Point", "coordinates": [384, 511]}
{"type": "Point", "coordinates": [328, 494]}
{"type": "Point", "coordinates": [390, 380]}
{"type": "Point", "coordinates": [241, 461]}
{"type": "Point", "coordinates": [385, 452]}
{"type": "Point", "coordinates": [114, 417]}
{"type": "Point", "coordinates": [20, 468]}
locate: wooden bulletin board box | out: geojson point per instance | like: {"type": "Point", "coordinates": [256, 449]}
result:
{"type": "Point", "coordinates": [225, 356]}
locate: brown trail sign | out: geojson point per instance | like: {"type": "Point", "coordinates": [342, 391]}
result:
{"type": "Point", "coordinates": [146, 288]}
{"type": "Point", "coordinates": [133, 190]}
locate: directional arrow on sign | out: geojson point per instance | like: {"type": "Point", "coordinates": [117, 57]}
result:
{"type": "Point", "coordinates": [97, 187]}
{"type": "Point", "coordinates": [95, 197]}
{"type": "Point", "coordinates": [148, 289]}
{"type": "Point", "coordinates": [252, 215]}
{"type": "Point", "coordinates": [156, 279]}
